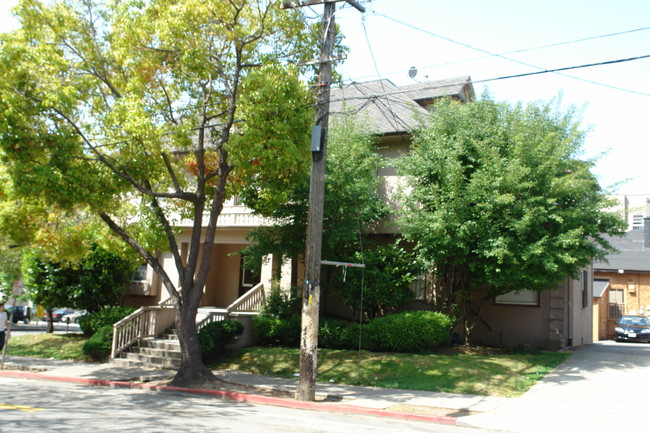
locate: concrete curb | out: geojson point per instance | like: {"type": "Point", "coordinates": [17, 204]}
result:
{"type": "Point", "coordinates": [241, 397]}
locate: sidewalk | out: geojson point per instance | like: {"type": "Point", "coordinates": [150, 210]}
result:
{"type": "Point", "coordinates": [601, 388]}
{"type": "Point", "coordinates": [441, 408]}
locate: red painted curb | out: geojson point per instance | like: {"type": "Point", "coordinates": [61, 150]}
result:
{"type": "Point", "coordinates": [241, 397]}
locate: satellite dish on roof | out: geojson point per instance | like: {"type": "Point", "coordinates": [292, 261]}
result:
{"type": "Point", "coordinates": [413, 71]}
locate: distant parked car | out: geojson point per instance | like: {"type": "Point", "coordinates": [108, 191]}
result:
{"type": "Point", "coordinates": [633, 328]}
{"type": "Point", "coordinates": [58, 314]}
{"type": "Point", "coordinates": [73, 317]}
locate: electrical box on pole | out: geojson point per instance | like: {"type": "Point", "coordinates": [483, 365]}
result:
{"type": "Point", "coordinates": [311, 292]}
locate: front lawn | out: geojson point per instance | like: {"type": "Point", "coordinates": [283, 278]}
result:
{"type": "Point", "coordinates": [465, 371]}
{"type": "Point", "coordinates": [458, 370]}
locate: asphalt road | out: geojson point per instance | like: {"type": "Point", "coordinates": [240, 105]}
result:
{"type": "Point", "coordinates": [34, 405]}
{"type": "Point", "coordinates": [40, 327]}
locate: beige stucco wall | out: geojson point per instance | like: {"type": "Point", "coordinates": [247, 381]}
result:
{"type": "Point", "coordinates": [222, 284]}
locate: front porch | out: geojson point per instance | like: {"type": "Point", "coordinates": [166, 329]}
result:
{"type": "Point", "coordinates": [149, 322]}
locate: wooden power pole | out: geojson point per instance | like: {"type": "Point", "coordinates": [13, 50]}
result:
{"type": "Point", "coordinates": [311, 292]}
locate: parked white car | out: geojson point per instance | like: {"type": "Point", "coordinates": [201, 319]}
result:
{"type": "Point", "coordinates": [73, 317]}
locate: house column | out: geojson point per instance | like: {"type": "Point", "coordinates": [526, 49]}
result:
{"type": "Point", "coordinates": [266, 273]}
{"type": "Point", "coordinates": [286, 271]}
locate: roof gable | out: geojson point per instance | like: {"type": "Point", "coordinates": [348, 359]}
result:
{"type": "Point", "coordinates": [392, 109]}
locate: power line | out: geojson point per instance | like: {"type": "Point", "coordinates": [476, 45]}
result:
{"type": "Point", "coordinates": [524, 50]}
{"type": "Point", "coordinates": [506, 77]}
{"type": "Point", "coordinates": [395, 117]}
{"type": "Point", "coordinates": [504, 57]}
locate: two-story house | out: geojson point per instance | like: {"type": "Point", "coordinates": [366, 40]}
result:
{"type": "Point", "coordinates": [553, 319]}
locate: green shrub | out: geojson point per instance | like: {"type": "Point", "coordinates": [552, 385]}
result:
{"type": "Point", "coordinates": [91, 323]}
{"type": "Point", "coordinates": [278, 323]}
{"type": "Point", "coordinates": [98, 347]}
{"type": "Point", "coordinates": [274, 331]}
{"type": "Point", "coordinates": [409, 332]}
{"type": "Point", "coordinates": [338, 334]}
{"type": "Point", "coordinates": [281, 305]}
{"type": "Point", "coordinates": [215, 336]}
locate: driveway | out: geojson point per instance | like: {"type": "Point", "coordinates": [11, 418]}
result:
{"type": "Point", "coordinates": [603, 387]}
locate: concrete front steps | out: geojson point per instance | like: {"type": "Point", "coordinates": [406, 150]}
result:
{"type": "Point", "coordinates": [161, 352]}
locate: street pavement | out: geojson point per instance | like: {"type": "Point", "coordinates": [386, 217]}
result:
{"type": "Point", "coordinates": [600, 388]}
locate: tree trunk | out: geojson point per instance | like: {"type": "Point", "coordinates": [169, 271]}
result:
{"type": "Point", "coordinates": [192, 370]}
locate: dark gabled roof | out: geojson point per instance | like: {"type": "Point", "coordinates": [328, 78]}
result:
{"type": "Point", "coordinates": [392, 109]}
{"type": "Point", "coordinates": [631, 255]}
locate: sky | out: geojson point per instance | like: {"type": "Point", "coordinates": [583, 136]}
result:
{"type": "Point", "coordinates": [488, 40]}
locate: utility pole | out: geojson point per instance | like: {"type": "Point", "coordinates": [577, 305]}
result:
{"type": "Point", "coordinates": [311, 292]}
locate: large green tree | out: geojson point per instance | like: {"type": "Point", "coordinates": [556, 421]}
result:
{"type": "Point", "coordinates": [499, 200]}
{"type": "Point", "coordinates": [96, 281]}
{"type": "Point", "coordinates": [29, 222]}
{"type": "Point", "coordinates": [152, 112]}
{"type": "Point", "coordinates": [352, 206]}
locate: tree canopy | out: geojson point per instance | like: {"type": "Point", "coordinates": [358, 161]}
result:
{"type": "Point", "coordinates": [93, 283]}
{"type": "Point", "coordinates": [499, 200]}
{"type": "Point", "coordinates": [351, 205]}
{"type": "Point", "coordinates": [151, 113]}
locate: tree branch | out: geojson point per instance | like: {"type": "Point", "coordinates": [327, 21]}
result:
{"type": "Point", "coordinates": [150, 259]}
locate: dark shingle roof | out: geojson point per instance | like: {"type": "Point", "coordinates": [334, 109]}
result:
{"type": "Point", "coordinates": [393, 109]}
{"type": "Point", "coordinates": [631, 256]}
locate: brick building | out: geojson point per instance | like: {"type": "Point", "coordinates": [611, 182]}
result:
{"type": "Point", "coordinates": [622, 281]}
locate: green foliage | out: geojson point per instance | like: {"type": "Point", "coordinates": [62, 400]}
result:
{"type": "Point", "coordinates": [93, 322]}
{"type": "Point", "coordinates": [116, 106]}
{"type": "Point", "coordinates": [412, 331]}
{"type": "Point", "coordinates": [98, 347]}
{"type": "Point", "coordinates": [278, 323]}
{"type": "Point", "coordinates": [273, 331]}
{"type": "Point", "coordinates": [386, 280]}
{"type": "Point", "coordinates": [215, 336]}
{"type": "Point", "coordinates": [351, 202]}
{"type": "Point", "coordinates": [339, 334]}
{"type": "Point", "coordinates": [46, 282]}
{"type": "Point", "coordinates": [277, 128]}
{"type": "Point", "coordinates": [281, 304]}
{"type": "Point", "coordinates": [95, 282]}
{"type": "Point", "coordinates": [101, 279]}
{"type": "Point", "coordinates": [499, 199]}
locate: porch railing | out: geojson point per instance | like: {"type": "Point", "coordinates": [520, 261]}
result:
{"type": "Point", "coordinates": [145, 321]}
{"type": "Point", "coordinates": [137, 325]}
{"type": "Point", "coordinates": [250, 301]}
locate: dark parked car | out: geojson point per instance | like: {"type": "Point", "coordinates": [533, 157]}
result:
{"type": "Point", "coordinates": [20, 314]}
{"type": "Point", "coordinates": [633, 328]}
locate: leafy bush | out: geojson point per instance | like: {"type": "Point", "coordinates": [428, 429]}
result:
{"type": "Point", "coordinates": [215, 336]}
{"type": "Point", "coordinates": [281, 305]}
{"type": "Point", "coordinates": [278, 323]}
{"type": "Point", "coordinates": [386, 281]}
{"type": "Point", "coordinates": [410, 332]}
{"type": "Point", "coordinates": [274, 331]}
{"type": "Point", "coordinates": [91, 323]}
{"type": "Point", "coordinates": [98, 347]}
{"type": "Point", "coordinates": [338, 334]}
